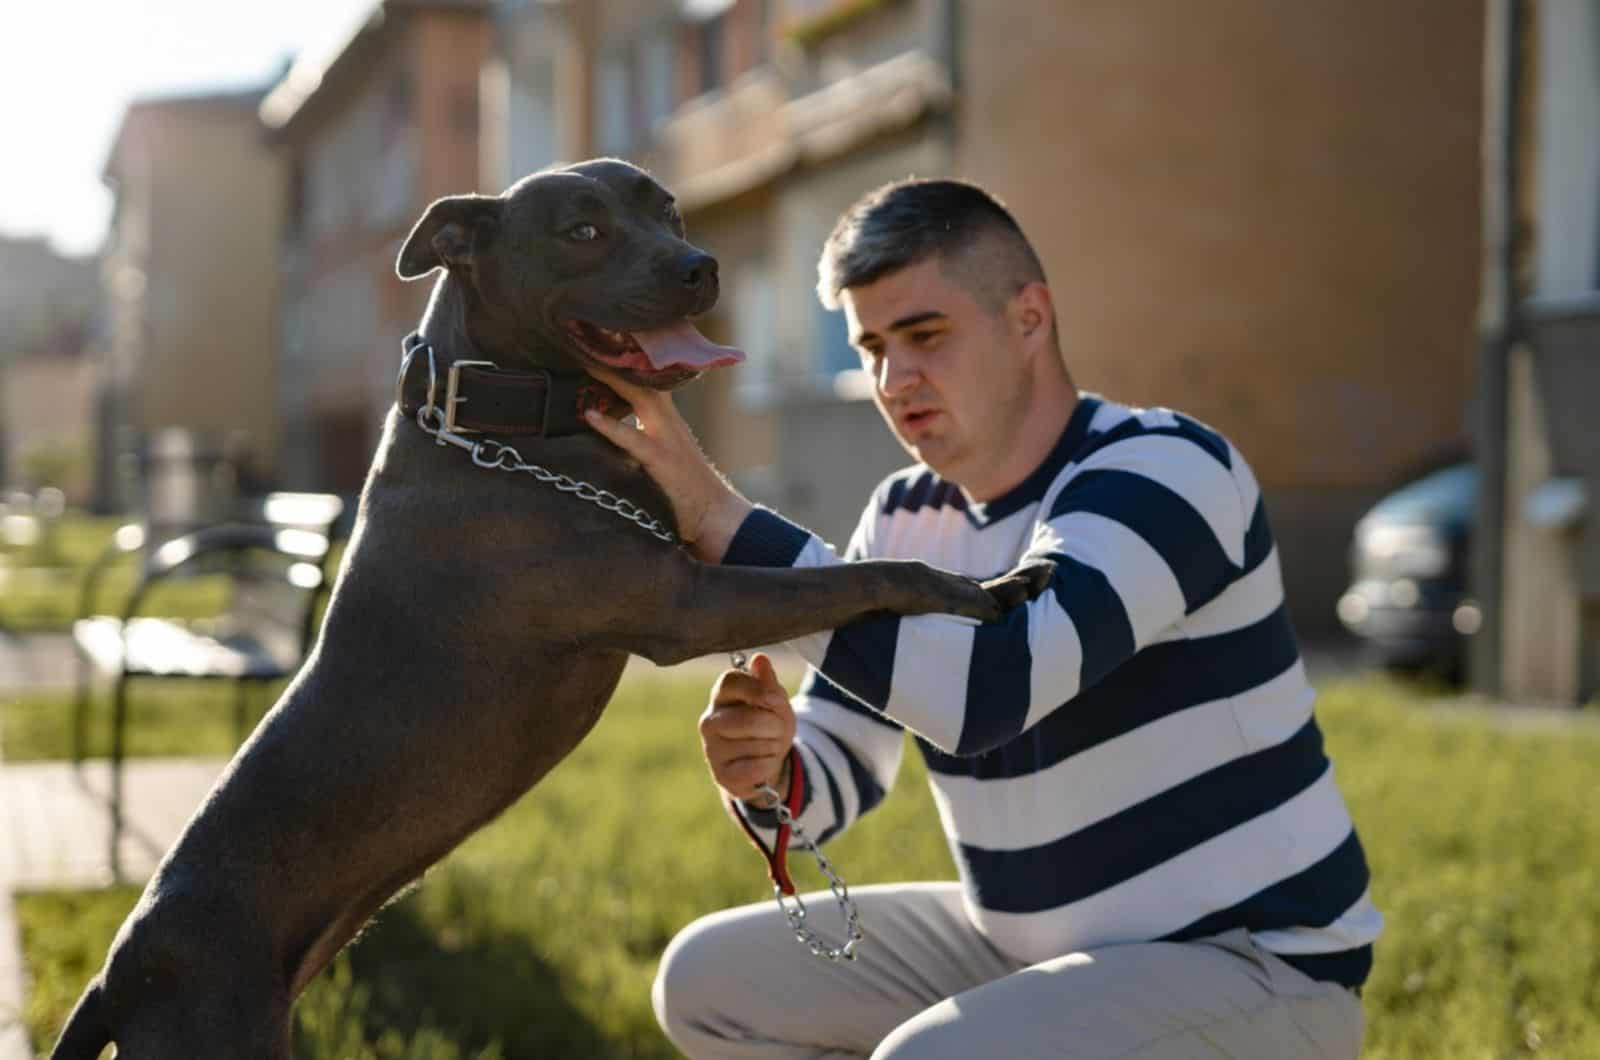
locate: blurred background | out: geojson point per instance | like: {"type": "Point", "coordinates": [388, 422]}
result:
{"type": "Point", "coordinates": [1361, 238]}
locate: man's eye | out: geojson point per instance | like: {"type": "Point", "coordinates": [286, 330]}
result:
{"type": "Point", "coordinates": [584, 233]}
{"type": "Point", "coordinates": [922, 338]}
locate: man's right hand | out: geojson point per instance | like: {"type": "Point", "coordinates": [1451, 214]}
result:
{"type": "Point", "coordinates": [706, 507]}
{"type": "Point", "coordinates": [747, 730]}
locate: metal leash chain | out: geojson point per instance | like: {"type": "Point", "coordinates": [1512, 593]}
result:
{"type": "Point", "coordinates": [492, 455]}
{"type": "Point", "coordinates": [795, 913]}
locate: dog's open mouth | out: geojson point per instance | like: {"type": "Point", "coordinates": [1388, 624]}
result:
{"type": "Point", "coordinates": [670, 353]}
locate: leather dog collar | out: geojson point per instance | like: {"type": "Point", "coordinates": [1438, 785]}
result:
{"type": "Point", "coordinates": [506, 402]}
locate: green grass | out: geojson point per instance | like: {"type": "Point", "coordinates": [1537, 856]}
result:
{"type": "Point", "coordinates": [540, 935]}
{"type": "Point", "coordinates": [165, 717]}
{"type": "Point", "coordinates": [41, 587]}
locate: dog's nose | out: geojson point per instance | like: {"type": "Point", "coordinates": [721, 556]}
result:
{"type": "Point", "coordinates": [699, 271]}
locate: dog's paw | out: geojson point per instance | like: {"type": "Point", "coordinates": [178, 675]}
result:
{"type": "Point", "coordinates": [1022, 584]}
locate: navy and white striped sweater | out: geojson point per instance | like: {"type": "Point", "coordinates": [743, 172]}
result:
{"type": "Point", "coordinates": [1130, 757]}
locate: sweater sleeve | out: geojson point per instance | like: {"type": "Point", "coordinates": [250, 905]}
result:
{"type": "Point", "coordinates": [846, 754]}
{"type": "Point", "coordinates": [1142, 532]}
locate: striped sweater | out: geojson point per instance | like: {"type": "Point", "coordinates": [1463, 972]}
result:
{"type": "Point", "coordinates": [1130, 757]}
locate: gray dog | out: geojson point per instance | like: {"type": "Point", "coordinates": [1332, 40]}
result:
{"type": "Point", "coordinates": [483, 615]}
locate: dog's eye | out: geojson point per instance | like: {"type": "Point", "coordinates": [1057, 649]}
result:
{"type": "Point", "coordinates": [583, 233]}
{"type": "Point", "coordinates": [669, 213]}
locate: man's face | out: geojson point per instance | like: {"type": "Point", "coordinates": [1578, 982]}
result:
{"type": "Point", "coordinates": [948, 376]}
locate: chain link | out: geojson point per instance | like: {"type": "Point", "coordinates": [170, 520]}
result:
{"type": "Point", "coordinates": [795, 912]}
{"type": "Point", "coordinates": [496, 456]}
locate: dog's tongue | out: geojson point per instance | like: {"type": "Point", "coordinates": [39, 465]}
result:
{"type": "Point", "coordinates": [681, 345]}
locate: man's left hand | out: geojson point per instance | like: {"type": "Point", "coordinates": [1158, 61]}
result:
{"type": "Point", "coordinates": [709, 510]}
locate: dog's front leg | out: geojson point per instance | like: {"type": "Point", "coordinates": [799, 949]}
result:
{"type": "Point", "coordinates": [702, 608]}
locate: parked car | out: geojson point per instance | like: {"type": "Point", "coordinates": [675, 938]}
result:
{"type": "Point", "coordinates": [1409, 563]}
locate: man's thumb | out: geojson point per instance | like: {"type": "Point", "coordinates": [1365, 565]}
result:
{"type": "Point", "coordinates": [762, 670]}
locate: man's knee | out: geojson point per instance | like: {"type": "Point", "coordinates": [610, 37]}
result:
{"type": "Point", "coordinates": [693, 977]}
{"type": "Point", "coordinates": [680, 977]}
{"type": "Point", "coordinates": [935, 1033]}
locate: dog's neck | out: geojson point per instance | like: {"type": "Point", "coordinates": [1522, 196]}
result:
{"type": "Point", "coordinates": [554, 409]}
{"type": "Point", "coordinates": [444, 327]}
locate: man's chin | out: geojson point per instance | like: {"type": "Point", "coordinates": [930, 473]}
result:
{"type": "Point", "coordinates": [928, 451]}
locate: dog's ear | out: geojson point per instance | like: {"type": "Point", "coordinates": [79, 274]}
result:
{"type": "Point", "coordinates": [448, 233]}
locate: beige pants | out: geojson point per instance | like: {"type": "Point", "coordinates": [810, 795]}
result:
{"type": "Point", "coordinates": [927, 986]}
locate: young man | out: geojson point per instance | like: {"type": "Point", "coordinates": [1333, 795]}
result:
{"type": "Point", "coordinates": [1155, 859]}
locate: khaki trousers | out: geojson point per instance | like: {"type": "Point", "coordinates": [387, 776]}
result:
{"type": "Point", "coordinates": [927, 985]}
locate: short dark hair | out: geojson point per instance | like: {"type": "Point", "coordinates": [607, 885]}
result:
{"type": "Point", "coordinates": [909, 221]}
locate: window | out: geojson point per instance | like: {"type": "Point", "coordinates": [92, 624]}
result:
{"type": "Point", "coordinates": [532, 136]}
{"type": "Point", "coordinates": [711, 47]}
{"type": "Point", "coordinates": [834, 352]}
{"type": "Point", "coordinates": [656, 76]}
{"type": "Point", "coordinates": [754, 305]}
{"type": "Point", "coordinates": [614, 131]}
{"type": "Point", "coordinates": [394, 175]}
{"type": "Point", "coordinates": [705, 44]}
{"type": "Point", "coordinates": [634, 89]}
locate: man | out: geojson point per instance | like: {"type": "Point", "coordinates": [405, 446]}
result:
{"type": "Point", "coordinates": [1155, 860]}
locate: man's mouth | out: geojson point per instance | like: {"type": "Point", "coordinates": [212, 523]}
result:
{"type": "Point", "coordinates": [672, 351]}
{"type": "Point", "coordinates": [913, 421]}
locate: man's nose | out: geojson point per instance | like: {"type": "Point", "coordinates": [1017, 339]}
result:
{"type": "Point", "coordinates": [895, 374]}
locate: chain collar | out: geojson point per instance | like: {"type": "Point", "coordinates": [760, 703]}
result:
{"type": "Point", "coordinates": [492, 455]}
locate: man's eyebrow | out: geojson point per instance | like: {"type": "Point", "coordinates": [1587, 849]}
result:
{"type": "Point", "coordinates": [899, 325]}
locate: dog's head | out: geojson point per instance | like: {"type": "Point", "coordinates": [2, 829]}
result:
{"type": "Point", "coordinates": [569, 267]}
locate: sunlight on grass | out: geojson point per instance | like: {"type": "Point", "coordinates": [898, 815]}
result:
{"type": "Point", "coordinates": [165, 717]}
{"type": "Point", "coordinates": [540, 935]}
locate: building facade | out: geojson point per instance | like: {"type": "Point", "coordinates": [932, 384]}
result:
{"type": "Point", "coordinates": [49, 319]}
{"type": "Point", "coordinates": [369, 133]}
{"type": "Point", "coordinates": [190, 280]}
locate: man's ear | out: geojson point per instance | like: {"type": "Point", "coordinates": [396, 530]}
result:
{"type": "Point", "coordinates": [1032, 309]}
{"type": "Point", "coordinates": [450, 231]}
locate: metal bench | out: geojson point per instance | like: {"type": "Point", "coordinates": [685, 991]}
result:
{"type": "Point", "coordinates": [277, 571]}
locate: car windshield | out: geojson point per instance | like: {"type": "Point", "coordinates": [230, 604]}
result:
{"type": "Point", "coordinates": [1448, 496]}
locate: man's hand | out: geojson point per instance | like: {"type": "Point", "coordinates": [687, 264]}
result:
{"type": "Point", "coordinates": [708, 509]}
{"type": "Point", "coordinates": [747, 730]}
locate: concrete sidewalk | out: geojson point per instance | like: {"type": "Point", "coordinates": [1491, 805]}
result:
{"type": "Point", "coordinates": [55, 821]}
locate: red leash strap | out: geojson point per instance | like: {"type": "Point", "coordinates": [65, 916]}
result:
{"type": "Point", "coordinates": [777, 857]}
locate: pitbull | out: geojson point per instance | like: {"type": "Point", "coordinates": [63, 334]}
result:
{"type": "Point", "coordinates": [482, 616]}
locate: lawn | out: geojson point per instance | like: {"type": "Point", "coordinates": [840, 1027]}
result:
{"type": "Point", "coordinates": [41, 587]}
{"type": "Point", "coordinates": [539, 936]}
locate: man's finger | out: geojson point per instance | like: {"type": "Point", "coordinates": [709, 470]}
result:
{"type": "Point", "coordinates": [646, 402]}
{"type": "Point", "coordinates": [742, 722]}
{"type": "Point", "coordinates": [737, 686]}
{"type": "Point", "coordinates": [740, 750]}
{"type": "Point", "coordinates": [741, 775]}
{"type": "Point", "coordinates": [630, 440]}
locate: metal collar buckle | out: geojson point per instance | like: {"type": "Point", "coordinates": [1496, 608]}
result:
{"type": "Point", "coordinates": [452, 394]}
{"type": "Point", "coordinates": [441, 417]}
